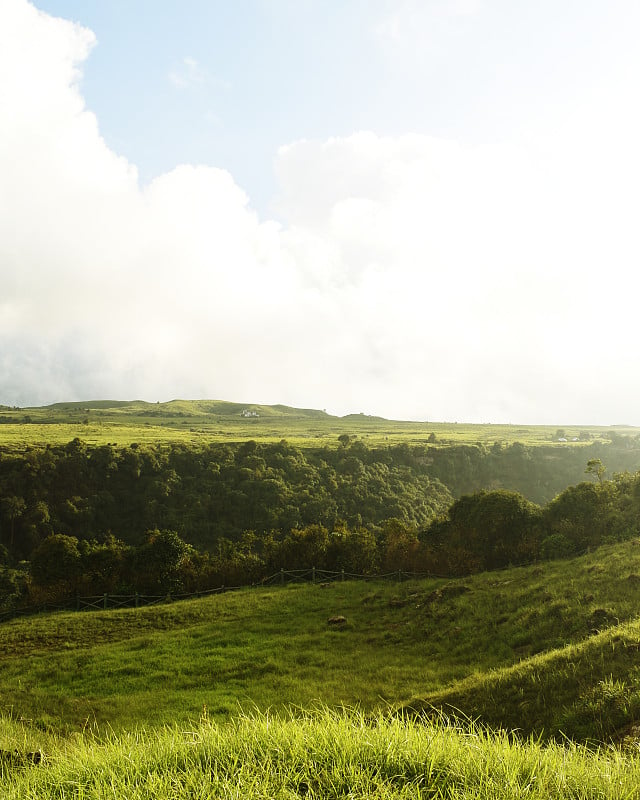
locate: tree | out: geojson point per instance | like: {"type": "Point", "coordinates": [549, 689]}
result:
{"type": "Point", "coordinates": [584, 514]}
{"type": "Point", "coordinates": [354, 551]}
{"type": "Point", "coordinates": [497, 527]}
{"type": "Point", "coordinates": [400, 546]}
{"type": "Point", "coordinates": [103, 564]}
{"type": "Point", "coordinates": [306, 547]}
{"type": "Point", "coordinates": [158, 561]}
{"type": "Point", "coordinates": [57, 560]}
{"type": "Point", "coordinates": [13, 508]}
{"type": "Point", "coordinates": [596, 467]}
{"type": "Point", "coordinates": [11, 587]}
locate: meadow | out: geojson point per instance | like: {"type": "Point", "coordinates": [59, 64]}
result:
{"type": "Point", "coordinates": [255, 694]}
{"type": "Point", "coordinates": [402, 645]}
{"type": "Point", "coordinates": [197, 422]}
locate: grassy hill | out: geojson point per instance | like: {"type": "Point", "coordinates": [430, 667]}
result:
{"type": "Point", "coordinates": [195, 421]}
{"type": "Point", "coordinates": [537, 648]}
{"type": "Point", "coordinates": [256, 694]}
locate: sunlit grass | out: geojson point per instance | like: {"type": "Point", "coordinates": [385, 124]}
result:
{"type": "Point", "coordinates": [478, 643]}
{"type": "Point", "coordinates": [243, 695]}
{"type": "Point", "coordinates": [319, 755]}
{"type": "Point", "coordinates": [199, 422]}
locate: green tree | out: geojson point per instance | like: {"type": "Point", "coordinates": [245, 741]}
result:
{"type": "Point", "coordinates": [597, 468]}
{"type": "Point", "coordinates": [13, 508]}
{"type": "Point", "coordinates": [103, 564]}
{"type": "Point", "coordinates": [159, 560]}
{"type": "Point", "coordinates": [354, 551]}
{"type": "Point", "coordinates": [57, 560]}
{"type": "Point", "coordinates": [11, 587]}
{"type": "Point", "coordinates": [400, 546]}
{"type": "Point", "coordinates": [584, 514]}
{"type": "Point", "coordinates": [496, 528]}
{"type": "Point", "coordinates": [304, 548]}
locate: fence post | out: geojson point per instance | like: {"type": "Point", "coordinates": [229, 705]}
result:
{"type": "Point", "coordinates": [282, 576]}
{"type": "Point", "coordinates": [137, 600]}
{"type": "Point", "coordinates": [342, 574]}
{"type": "Point", "coordinates": [105, 600]}
{"type": "Point", "coordinates": [399, 576]}
{"type": "Point", "coordinates": [313, 574]}
{"type": "Point", "coordinates": [77, 602]}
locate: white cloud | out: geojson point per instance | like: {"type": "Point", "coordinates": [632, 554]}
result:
{"type": "Point", "coordinates": [410, 276]}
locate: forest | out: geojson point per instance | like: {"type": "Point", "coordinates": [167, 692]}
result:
{"type": "Point", "coordinates": [85, 519]}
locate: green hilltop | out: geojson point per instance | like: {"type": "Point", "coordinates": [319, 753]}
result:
{"type": "Point", "coordinates": [192, 408]}
{"type": "Point", "coordinates": [197, 421]}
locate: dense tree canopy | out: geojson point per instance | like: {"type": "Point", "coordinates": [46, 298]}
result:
{"type": "Point", "coordinates": [161, 519]}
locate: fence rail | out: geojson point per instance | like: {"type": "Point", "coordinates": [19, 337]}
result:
{"type": "Point", "coordinates": [106, 602]}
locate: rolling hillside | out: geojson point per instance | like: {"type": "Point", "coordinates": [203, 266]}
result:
{"type": "Point", "coordinates": [195, 421]}
{"type": "Point", "coordinates": [542, 648]}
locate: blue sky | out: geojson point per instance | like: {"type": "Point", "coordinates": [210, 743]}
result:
{"type": "Point", "coordinates": [258, 74]}
{"type": "Point", "coordinates": [263, 73]}
{"type": "Point", "coordinates": [415, 208]}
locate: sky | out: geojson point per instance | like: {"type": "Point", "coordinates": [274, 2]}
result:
{"type": "Point", "coordinates": [418, 209]}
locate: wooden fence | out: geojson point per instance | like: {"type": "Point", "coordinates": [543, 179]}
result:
{"type": "Point", "coordinates": [105, 602]}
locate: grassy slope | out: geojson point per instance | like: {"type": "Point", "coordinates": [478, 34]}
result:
{"type": "Point", "coordinates": [587, 691]}
{"type": "Point", "coordinates": [520, 648]}
{"type": "Point", "coordinates": [199, 421]}
{"type": "Point", "coordinates": [492, 645]}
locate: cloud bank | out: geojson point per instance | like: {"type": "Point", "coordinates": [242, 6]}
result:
{"type": "Point", "coordinates": [407, 276]}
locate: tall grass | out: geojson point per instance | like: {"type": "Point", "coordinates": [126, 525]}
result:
{"type": "Point", "coordinates": [321, 755]}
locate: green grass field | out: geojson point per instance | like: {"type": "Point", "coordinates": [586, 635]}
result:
{"type": "Point", "coordinates": [99, 422]}
{"type": "Point", "coordinates": [254, 694]}
{"type": "Point", "coordinates": [471, 643]}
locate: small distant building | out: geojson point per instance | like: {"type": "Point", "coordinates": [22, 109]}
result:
{"type": "Point", "coordinates": [249, 413]}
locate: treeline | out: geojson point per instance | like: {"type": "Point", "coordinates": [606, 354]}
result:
{"type": "Point", "coordinates": [86, 519]}
{"type": "Point", "coordinates": [483, 531]}
{"type": "Point", "coordinates": [215, 493]}
{"type": "Point", "coordinates": [208, 495]}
